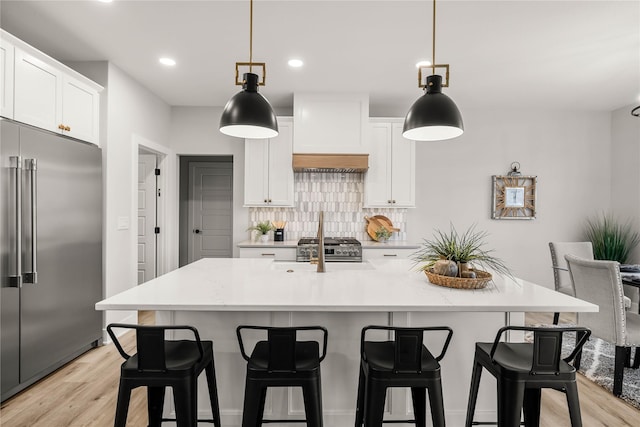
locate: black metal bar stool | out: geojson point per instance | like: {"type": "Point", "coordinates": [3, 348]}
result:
{"type": "Point", "coordinates": [522, 369]}
{"type": "Point", "coordinates": [160, 363]}
{"type": "Point", "coordinates": [283, 361]}
{"type": "Point", "coordinates": [401, 362]}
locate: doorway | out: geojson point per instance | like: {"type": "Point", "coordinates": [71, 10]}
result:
{"type": "Point", "coordinates": [206, 208]}
{"type": "Point", "coordinates": [148, 193]}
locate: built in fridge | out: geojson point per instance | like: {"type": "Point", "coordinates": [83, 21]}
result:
{"type": "Point", "coordinates": [51, 252]}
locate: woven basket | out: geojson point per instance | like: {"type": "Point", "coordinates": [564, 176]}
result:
{"type": "Point", "coordinates": [481, 280]}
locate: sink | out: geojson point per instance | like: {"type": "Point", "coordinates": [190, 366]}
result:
{"type": "Point", "coordinates": [329, 266]}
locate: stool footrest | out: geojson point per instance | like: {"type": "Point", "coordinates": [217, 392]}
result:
{"type": "Point", "coordinates": [398, 421]}
{"type": "Point", "coordinates": [283, 421]}
{"type": "Point", "coordinates": [488, 423]}
{"type": "Point", "coordinates": [198, 420]}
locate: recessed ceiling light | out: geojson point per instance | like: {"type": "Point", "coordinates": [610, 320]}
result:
{"type": "Point", "coordinates": [423, 64]}
{"type": "Point", "coordinates": [167, 61]}
{"type": "Point", "coordinates": [295, 63]}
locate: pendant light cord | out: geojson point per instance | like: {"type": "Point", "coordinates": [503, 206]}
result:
{"type": "Point", "coordinates": [251, 38]}
{"type": "Point", "coordinates": [433, 49]}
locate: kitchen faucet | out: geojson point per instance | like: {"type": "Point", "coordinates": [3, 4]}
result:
{"type": "Point", "coordinates": [320, 259]}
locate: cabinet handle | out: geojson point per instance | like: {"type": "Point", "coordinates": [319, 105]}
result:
{"type": "Point", "coordinates": [61, 126]}
{"type": "Point", "coordinates": [390, 255]}
{"type": "Point", "coordinates": [388, 201]}
{"type": "Point", "coordinates": [265, 200]}
{"type": "Point", "coordinates": [268, 254]}
{"type": "Point", "coordinates": [67, 128]}
{"type": "Point", "coordinates": [269, 200]}
{"type": "Point", "coordinates": [394, 201]}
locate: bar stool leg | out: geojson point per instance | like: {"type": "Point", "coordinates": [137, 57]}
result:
{"type": "Point", "coordinates": [360, 400]}
{"type": "Point", "coordinates": [312, 395]}
{"type": "Point", "coordinates": [573, 401]}
{"type": "Point", "coordinates": [531, 407]}
{"type": "Point", "coordinates": [185, 399]}
{"type": "Point", "coordinates": [254, 397]}
{"type": "Point", "coordinates": [437, 404]}
{"type": "Point", "coordinates": [155, 403]}
{"type": "Point", "coordinates": [374, 397]}
{"type": "Point", "coordinates": [473, 392]}
{"type": "Point", "coordinates": [419, 396]}
{"type": "Point", "coordinates": [510, 399]}
{"type": "Point", "coordinates": [213, 393]}
{"type": "Point", "coordinates": [122, 405]}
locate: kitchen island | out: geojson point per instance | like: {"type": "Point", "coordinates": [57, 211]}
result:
{"type": "Point", "coordinates": [216, 295]}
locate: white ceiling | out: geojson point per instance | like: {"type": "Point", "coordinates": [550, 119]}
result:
{"type": "Point", "coordinates": [575, 54]}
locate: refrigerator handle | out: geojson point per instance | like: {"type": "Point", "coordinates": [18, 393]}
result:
{"type": "Point", "coordinates": [32, 167]}
{"type": "Point", "coordinates": [15, 281]}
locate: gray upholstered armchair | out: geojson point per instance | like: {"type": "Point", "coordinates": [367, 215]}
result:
{"type": "Point", "coordinates": [562, 278]}
{"type": "Point", "coordinates": [599, 283]}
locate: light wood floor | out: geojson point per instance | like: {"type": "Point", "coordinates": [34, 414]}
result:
{"type": "Point", "coordinates": [83, 393]}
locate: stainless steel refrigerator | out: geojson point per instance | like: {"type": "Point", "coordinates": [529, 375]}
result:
{"type": "Point", "coordinates": [50, 252]}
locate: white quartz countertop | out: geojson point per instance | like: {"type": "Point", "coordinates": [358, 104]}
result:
{"type": "Point", "coordinates": [246, 284]}
{"type": "Point", "coordinates": [367, 244]}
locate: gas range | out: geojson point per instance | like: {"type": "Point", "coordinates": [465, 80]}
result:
{"type": "Point", "coordinates": [336, 249]}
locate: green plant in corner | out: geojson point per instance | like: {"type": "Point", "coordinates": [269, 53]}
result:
{"type": "Point", "coordinates": [467, 247]}
{"type": "Point", "coordinates": [611, 239]}
{"type": "Point", "coordinates": [262, 227]}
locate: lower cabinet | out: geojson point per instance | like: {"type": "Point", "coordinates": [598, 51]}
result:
{"type": "Point", "coordinates": [278, 254]}
{"type": "Point", "coordinates": [392, 253]}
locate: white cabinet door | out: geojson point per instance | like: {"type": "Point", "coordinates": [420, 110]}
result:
{"type": "Point", "coordinates": [80, 110]}
{"type": "Point", "coordinates": [6, 79]}
{"type": "Point", "coordinates": [390, 180]}
{"type": "Point", "coordinates": [378, 178]}
{"type": "Point", "coordinates": [403, 168]}
{"type": "Point", "coordinates": [37, 93]}
{"type": "Point", "coordinates": [280, 168]}
{"type": "Point", "coordinates": [278, 254]}
{"type": "Point", "coordinates": [268, 173]}
{"type": "Point", "coordinates": [391, 253]}
{"type": "Point", "coordinates": [256, 172]}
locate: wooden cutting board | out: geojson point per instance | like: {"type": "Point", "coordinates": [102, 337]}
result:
{"type": "Point", "coordinates": [377, 221]}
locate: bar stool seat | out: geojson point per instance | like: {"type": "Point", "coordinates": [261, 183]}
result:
{"type": "Point", "coordinates": [283, 361]}
{"type": "Point", "coordinates": [401, 362]}
{"type": "Point", "coordinates": [522, 369]}
{"type": "Point", "coordinates": [161, 363]}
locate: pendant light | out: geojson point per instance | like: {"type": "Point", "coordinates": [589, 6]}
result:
{"type": "Point", "coordinates": [248, 114]}
{"type": "Point", "coordinates": [434, 116]}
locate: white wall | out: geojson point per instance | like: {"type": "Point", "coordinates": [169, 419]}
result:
{"type": "Point", "coordinates": [194, 131]}
{"type": "Point", "coordinates": [568, 151]}
{"type": "Point", "coordinates": [625, 173]}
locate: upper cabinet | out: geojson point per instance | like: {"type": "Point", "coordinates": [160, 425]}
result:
{"type": "Point", "coordinates": [51, 96]}
{"type": "Point", "coordinates": [6, 78]}
{"type": "Point", "coordinates": [390, 180]}
{"type": "Point", "coordinates": [268, 174]}
{"type": "Point", "coordinates": [330, 123]}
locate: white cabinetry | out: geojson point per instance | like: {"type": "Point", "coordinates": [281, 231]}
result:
{"type": "Point", "coordinates": [47, 94]}
{"type": "Point", "coordinates": [6, 78]}
{"type": "Point", "coordinates": [391, 253]}
{"type": "Point", "coordinates": [278, 254]}
{"type": "Point", "coordinates": [390, 180]}
{"type": "Point", "coordinates": [330, 123]}
{"type": "Point", "coordinates": [268, 173]}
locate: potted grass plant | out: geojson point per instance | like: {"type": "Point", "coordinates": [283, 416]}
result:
{"type": "Point", "coordinates": [611, 239]}
{"type": "Point", "coordinates": [461, 255]}
{"type": "Point", "coordinates": [263, 228]}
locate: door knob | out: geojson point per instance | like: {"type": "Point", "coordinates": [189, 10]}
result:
{"type": "Point", "coordinates": [196, 231]}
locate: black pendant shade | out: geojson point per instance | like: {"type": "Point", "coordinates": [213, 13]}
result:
{"type": "Point", "coordinates": [434, 116]}
{"type": "Point", "coordinates": [248, 114]}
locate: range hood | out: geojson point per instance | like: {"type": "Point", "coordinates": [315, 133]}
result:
{"type": "Point", "coordinates": [321, 162]}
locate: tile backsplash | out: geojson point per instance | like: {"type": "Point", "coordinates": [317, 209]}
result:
{"type": "Point", "coordinates": [340, 196]}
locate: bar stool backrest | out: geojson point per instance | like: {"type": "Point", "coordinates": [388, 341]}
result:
{"type": "Point", "coordinates": [282, 349]}
{"type": "Point", "coordinates": [408, 350]}
{"type": "Point", "coordinates": [150, 342]}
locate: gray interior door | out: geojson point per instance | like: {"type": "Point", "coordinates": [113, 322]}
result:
{"type": "Point", "coordinates": [147, 217]}
{"type": "Point", "coordinates": [210, 216]}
